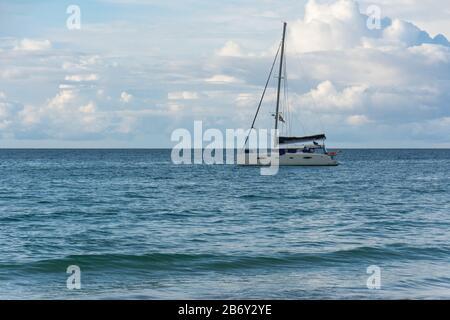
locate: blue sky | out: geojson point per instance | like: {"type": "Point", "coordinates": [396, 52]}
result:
{"type": "Point", "coordinates": [137, 70]}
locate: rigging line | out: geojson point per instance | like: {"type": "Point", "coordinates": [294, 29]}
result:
{"type": "Point", "coordinates": [289, 106]}
{"type": "Point", "coordinates": [263, 94]}
{"type": "Point", "coordinates": [289, 111]}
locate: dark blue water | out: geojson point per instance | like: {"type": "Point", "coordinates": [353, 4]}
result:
{"type": "Point", "coordinates": [140, 227]}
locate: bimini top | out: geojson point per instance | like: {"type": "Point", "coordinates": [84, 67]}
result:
{"type": "Point", "coordinates": [301, 139]}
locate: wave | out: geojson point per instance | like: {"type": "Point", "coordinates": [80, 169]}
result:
{"type": "Point", "coordinates": [255, 197]}
{"type": "Point", "coordinates": [216, 262]}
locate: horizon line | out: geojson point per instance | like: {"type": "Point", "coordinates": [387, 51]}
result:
{"type": "Point", "coordinates": [168, 148]}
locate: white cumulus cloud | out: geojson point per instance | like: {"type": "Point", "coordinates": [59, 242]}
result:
{"type": "Point", "coordinates": [183, 95]}
{"type": "Point", "coordinates": [327, 98]}
{"type": "Point", "coordinates": [82, 77]}
{"type": "Point", "coordinates": [221, 78]}
{"type": "Point", "coordinates": [125, 97]}
{"type": "Point", "coordinates": [33, 45]}
{"type": "Point", "coordinates": [340, 25]}
{"type": "Point", "coordinates": [230, 49]}
{"type": "Point", "coordinates": [357, 120]}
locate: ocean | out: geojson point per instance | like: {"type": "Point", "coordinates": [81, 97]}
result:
{"type": "Point", "coordinates": [139, 227]}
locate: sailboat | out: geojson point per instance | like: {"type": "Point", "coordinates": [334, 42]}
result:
{"type": "Point", "coordinates": [292, 150]}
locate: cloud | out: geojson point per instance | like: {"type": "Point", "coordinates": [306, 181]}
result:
{"type": "Point", "coordinates": [183, 95]}
{"type": "Point", "coordinates": [28, 117]}
{"type": "Point", "coordinates": [431, 15]}
{"type": "Point", "coordinates": [365, 85]}
{"type": "Point", "coordinates": [246, 100]}
{"type": "Point", "coordinates": [82, 77]}
{"type": "Point", "coordinates": [33, 45]}
{"type": "Point", "coordinates": [6, 110]}
{"type": "Point", "coordinates": [62, 117]}
{"type": "Point", "coordinates": [410, 35]}
{"type": "Point", "coordinates": [333, 26]}
{"type": "Point", "coordinates": [222, 79]}
{"type": "Point", "coordinates": [125, 97]}
{"type": "Point", "coordinates": [357, 120]}
{"type": "Point", "coordinates": [327, 98]}
{"type": "Point", "coordinates": [11, 73]}
{"type": "Point", "coordinates": [83, 62]}
{"type": "Point", "coordinates": [340, 25]}
{"type": "Point", "coordinates": [349, 80]}
{"type": "Point", "coordinates": [88, 108]}
{"type": "Point", "coordinates": [231, 49]}
{"type": "Point", "coordinates": [432, 53]}
{"type": "Point", "coordinates": [62, 98]}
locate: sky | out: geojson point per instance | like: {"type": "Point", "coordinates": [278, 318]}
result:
{"type": "Point", "coordinates": [137, 70]}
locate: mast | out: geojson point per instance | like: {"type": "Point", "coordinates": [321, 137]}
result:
{"type": "Point", "coordinates": [279, 76]}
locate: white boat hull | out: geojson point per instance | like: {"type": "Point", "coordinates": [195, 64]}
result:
{"type": "Point", "coordinates": [307, 159]}
{"type": "Point", "coordinates": [298, 159]}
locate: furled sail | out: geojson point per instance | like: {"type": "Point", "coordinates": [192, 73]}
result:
{"type": "Point", "coordinates": [301, 139]}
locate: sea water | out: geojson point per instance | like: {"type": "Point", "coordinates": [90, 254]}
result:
{"type": "Point", "coordinates": [139, 227]}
